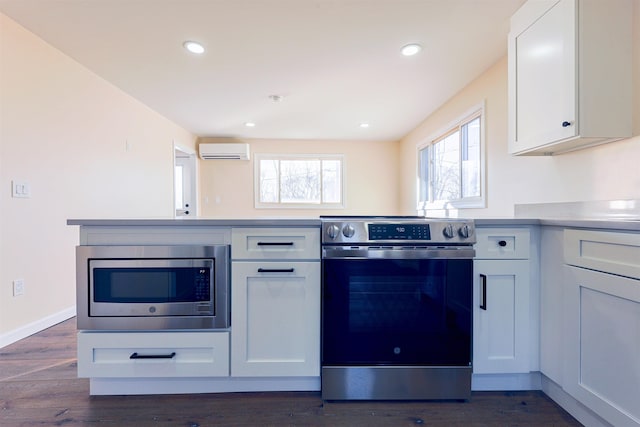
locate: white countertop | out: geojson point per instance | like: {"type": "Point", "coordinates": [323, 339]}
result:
{"type": "Point", "coordinates": [199, 222]}
{"type": "Point", "coordinates": [591, 223]}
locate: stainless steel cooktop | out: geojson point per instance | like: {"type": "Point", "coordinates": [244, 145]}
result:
{"type": "Point", "coordinates": [396, 230]}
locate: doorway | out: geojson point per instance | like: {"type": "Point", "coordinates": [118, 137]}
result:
{"type": "Point", "coordinates": [184, 179]}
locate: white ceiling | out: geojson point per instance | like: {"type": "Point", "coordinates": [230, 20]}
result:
{"type": "Point", "coordinates": [336, 63]}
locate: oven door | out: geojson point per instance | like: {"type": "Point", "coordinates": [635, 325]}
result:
{"type": "Point", "coordinates": [387, 310]}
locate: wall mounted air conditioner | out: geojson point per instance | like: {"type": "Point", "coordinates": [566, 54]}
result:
{"type": "Point", "coordinates": [224, 151]}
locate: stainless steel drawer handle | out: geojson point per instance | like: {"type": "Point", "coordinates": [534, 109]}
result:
{"type": "Point", "coordinates": [276, 270]}
{"type": "Point", "coordinates": [152, 356]}
{"type": "Point", "coordinates": [275, 243]}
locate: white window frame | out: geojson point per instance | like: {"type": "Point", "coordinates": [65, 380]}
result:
{"type": "Point", "coordinates": [288, 205]}
{"type": "Point", "coordinates": [463, 202]}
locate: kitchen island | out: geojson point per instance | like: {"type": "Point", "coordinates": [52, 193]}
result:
{"type": "Point", "coordinates": [273, 343]}
{"type": "Point", "coordinates": [552, 320]}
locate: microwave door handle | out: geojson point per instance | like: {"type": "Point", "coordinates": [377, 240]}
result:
{"type": "Point", "coordinates": [153, 356]}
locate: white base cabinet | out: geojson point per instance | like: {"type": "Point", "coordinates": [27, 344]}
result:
{"type": "Point", "coordinates": [504, 313]}
{"type": "Point", "coordinates": [275, 302]}
{"type": "Point", "coordinates": [275, 318]}
{"type": "Point", "coordinates": [602, 323]}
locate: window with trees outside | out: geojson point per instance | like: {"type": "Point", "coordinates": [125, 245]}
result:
{"type": "Point", "coordinates": [450, 166]}
{"type": "Point", "coordinates": [299, 181]}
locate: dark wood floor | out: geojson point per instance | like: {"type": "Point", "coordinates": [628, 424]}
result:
{"type": "Point", "coordinates": [38, 386]}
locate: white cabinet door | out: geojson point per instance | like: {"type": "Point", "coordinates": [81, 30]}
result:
{"type": "Point", "coordinates": [275, 319]}
{"type": "Point", "coordinates": [602, 344]}
{"type": "Point", "coordinates": [501, 316]}
{"type": "Point", "coordinates": [563, 92]}
{"type": "Point", "coordinates": [545, 83]}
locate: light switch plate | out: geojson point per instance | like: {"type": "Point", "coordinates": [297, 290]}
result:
{"type": "Point", "coordinates": [20, 189]}
{"type": "Point", "coordinates": [18, 287]}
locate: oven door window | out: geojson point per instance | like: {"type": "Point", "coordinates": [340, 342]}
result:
{"type": "Point", "coordinates": [397, 312]}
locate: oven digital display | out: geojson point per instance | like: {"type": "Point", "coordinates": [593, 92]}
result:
{"type": "Point", "coordinates": [399, 232]}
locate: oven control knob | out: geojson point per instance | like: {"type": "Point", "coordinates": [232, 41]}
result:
{"type": "Point", "coordinates": [464, 231]}
{"type": "Point", "coordinates": [447, 231]}
{"type": "Point", "coordinates": [348, 231]}
{"type": "Point", "coordinates": [332, 231]}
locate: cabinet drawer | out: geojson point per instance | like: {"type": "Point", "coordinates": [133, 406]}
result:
{"type": "Point", "coordinates": [275, 243]}
{"type": "Point", "coordinates": [607, 251]}
{"type": "Point", "coordinates": [153, 354]}
{"type": "Point", "coordinates": [502, 243]}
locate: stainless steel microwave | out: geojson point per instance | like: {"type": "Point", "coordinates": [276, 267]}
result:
{"type": "Point", "coordinates": [153, 287]}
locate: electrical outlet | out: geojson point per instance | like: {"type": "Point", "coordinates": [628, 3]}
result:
{"type": "Point", "coordinates": [18, 287]}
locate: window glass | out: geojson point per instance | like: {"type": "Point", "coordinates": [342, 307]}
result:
{"type": "Point", "coordinates": [269, 181]}
{"type": "Point", "coordinates": [471, 158]}
{"type": "Point", "coordinates": [299, 181]}
{"type": "Point", "coordinates": [331, 181]}
{"type": "Point", "coordinates": [450, 167]}
{"type": "Point", "coordinates": [446, 168]}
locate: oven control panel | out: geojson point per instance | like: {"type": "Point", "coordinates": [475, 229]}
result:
{"type": "Point", "coordinates": [421, 231]}
{"type": "Point", "coordinates": [399, 232]}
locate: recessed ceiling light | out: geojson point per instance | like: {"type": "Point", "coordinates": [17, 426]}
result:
{"type": "Point", "coordinates": [276, 98]}
{"type": "Point", "coordinates": [411, 49]}
{"type": "Point", "coordinates": [250, 124]}
{"type": "Point", "coordinates": [364, 125]}
{"type": "Point", "coordinates": [193, 47]}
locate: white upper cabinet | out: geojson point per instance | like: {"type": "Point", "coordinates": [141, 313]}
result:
{"type": "Point", "coordinates": [570, 75]}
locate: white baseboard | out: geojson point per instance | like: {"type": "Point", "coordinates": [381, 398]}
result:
{"type": "Point", "coordinates": [130, 386]}
{"type": "Point", "coordinates": [37, 326]}
{"type": "Point", "coordinates": [580, 412]}
{"type": "Point", "coordinates": [503, 382]}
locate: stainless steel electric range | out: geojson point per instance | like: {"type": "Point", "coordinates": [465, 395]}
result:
{"type": "Point", "coordinates": [396, 308]}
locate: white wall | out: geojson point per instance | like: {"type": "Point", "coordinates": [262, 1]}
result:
{"type": "Point", "coordinates": [371, 179]}
{"type": "Point", "coordinates": [65, 131]}
{"type": "Point", "coordinates": [607, 172]}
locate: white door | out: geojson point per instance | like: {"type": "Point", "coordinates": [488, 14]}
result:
{"type": "Point", "coordinates": [184, 178]}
